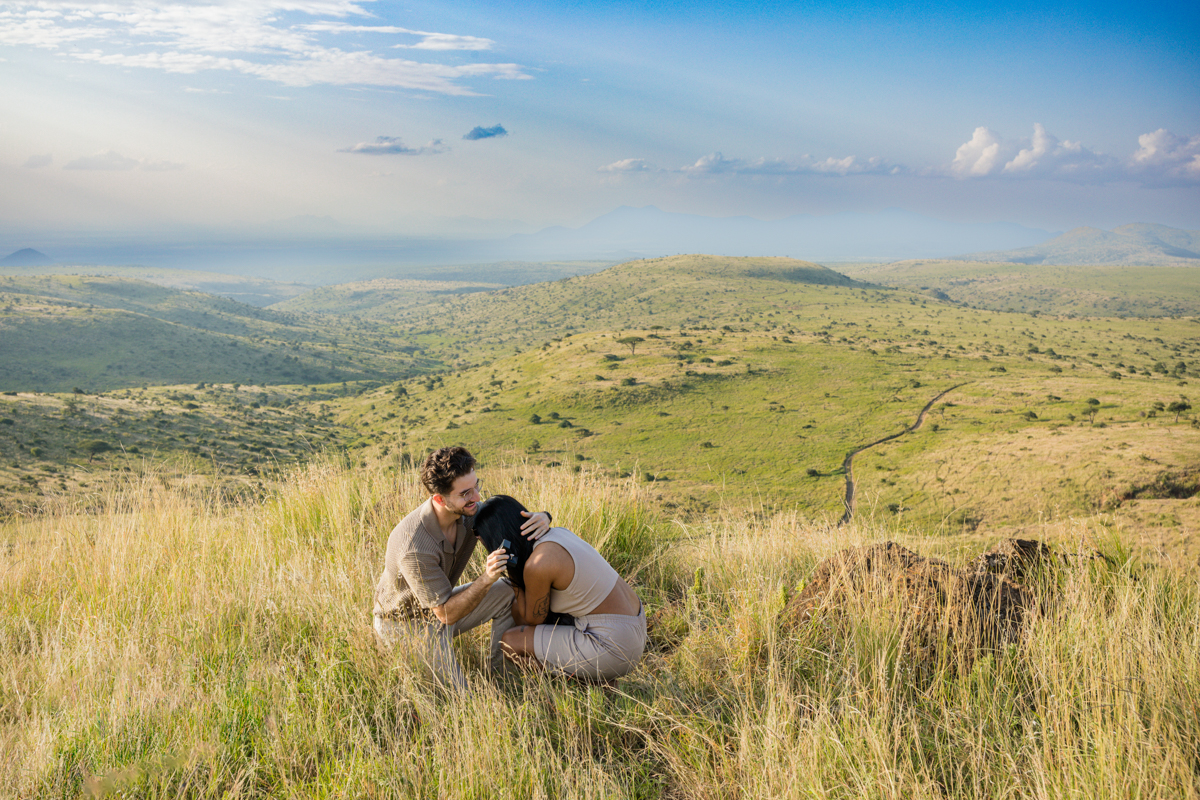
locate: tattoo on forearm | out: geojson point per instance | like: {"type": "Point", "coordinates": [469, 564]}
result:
{"type": "Point", "coordinates": [543, 607]}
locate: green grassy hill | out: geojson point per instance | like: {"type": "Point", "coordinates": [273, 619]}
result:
{"type": "Point", "coordinates": [1137, 244]}
{"type": "Point", "coordinates": [55, 447]}
{"type": "Point", "coordinates": [722, 381]}
{"type": "Point", "coordinates": [741, 383]}
{"type": "Point", "coordinates": [98, 333]}
{"type": "Point", "coordinates": [244, 289]}
{"type": "Point", "coordinates": [379, 299]}
{"type": "Point", "coordinates": [1088, 291]}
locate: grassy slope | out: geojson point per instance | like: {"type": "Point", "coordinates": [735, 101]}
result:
{"type": "Point", "coordinates": [381, 298]}
{"type": "Point", "coordinates": [253, 291]}
{"type": "Point", "coordinates": [170, 645]}
{"type": "Point", "coordinates": [742, 385]}
{"type": "Point", "coordinates": [216, 436]}
{"type": "Point", "coordinates": [756, 376]}
{"type": "Point", "coordinates": [63, 332]}
{"type": "Point", "coordinates": [1107, 291]}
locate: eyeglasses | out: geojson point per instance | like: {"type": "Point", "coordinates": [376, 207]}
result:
{"type": "Point", "coordinates": [466, 493]}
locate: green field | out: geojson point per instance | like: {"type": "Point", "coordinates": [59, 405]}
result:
{"type": "Point", "coordinates": [59, 333]}
{"type": "Point", "coordinates": [1088, 291]}
{"type": "Point", "coordinates": [714, 381]}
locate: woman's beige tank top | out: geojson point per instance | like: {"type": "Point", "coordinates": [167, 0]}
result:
{"type": "Point", "coordinates": [593, 580]}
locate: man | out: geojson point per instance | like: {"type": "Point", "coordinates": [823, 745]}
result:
{"type": "Point", "coordinates": [426, 553]}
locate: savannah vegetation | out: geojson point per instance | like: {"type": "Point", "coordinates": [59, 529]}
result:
{"type": "Point", "coordinates": [716, 381]}
{"type": "Point", "coordinates": [1068, 291]}
{"type": "Point", "coordinates": [170, 643]}
{"type": "Point", "coordinates": [189, 539]}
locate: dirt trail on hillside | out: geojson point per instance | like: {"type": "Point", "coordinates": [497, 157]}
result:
{"type": "Point", "coordinates": [848, 461]}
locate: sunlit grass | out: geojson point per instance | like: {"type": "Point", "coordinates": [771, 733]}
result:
{"type": "Point", "coordinates": [173, 644]}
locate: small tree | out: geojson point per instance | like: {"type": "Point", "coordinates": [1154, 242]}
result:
{"type": "Point", "coordinates": [1179, 407]}
{"type": "Point", "coordinates": [632, 341]}
{"type": "Point", "coordinates": [94, 447]}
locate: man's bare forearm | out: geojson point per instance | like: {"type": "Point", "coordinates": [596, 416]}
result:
{"type": "Point", "coordinates": [464, 602]}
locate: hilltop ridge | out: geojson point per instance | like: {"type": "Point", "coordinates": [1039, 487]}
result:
{"type": "Point", "coordinates": [1142, 244]}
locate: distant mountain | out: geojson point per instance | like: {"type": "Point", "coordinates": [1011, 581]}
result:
{"type": "Point", "coordinates": [885, 235]}
{"type": "Point", "coordinates": [1138, 244]}
{"type": "Point", "coordinates": [27, 257]}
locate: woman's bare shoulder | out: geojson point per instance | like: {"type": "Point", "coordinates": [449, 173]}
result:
{"type": "Point", "coordinates": [549, 557]}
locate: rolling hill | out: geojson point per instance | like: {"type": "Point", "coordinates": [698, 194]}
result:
{"type": "Point", "coordinates": [715, 382]}
{"type": "Point", "coordinates": [718, 380]}
{"type": "Point", "coordinates": [65, 332]}
{"type": "Point", "coordinates": [1081, 290]}
{"type": "Point", "coordinates": [1136, 244]}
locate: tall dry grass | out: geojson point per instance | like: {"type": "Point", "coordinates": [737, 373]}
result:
{"type": "Point", "coordinates": [174, 644]}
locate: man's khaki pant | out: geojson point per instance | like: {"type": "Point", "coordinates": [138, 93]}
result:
{"type": "Point", "coordinates": [432, 640]}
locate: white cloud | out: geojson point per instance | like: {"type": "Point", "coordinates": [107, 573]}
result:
{"type": "Point", "coordinates": [39, 161]}
{"type": "Point", "coordinates": [979, 156]}
{"type": "Point", "coordinates": [245, 36]}
{"type": "Point", "coordinates": [1163, 154]}
{"type": "Point", "coordinates": [113, 161]}
{"type": "Point", "coordinates": [448, 41]}
{"type": "Point", "coordinates": [629, 165]}
{"type": "Point", "coordinates": [1044, 155]}
{"type": "Point", "coordinates": [110, 160]}
{"type": "Point", "coordinates": [393, 146]}
{"type": "Point", "coordinates": [429, 40]}
{"type": "Point", "coordinates": [716, 163]}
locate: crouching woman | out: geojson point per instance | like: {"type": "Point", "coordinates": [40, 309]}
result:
{"type": "Point", "coordinates": [556, 578]}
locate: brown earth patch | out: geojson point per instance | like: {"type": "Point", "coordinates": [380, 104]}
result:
{"type": "Point", "coordinates": [944, 614]}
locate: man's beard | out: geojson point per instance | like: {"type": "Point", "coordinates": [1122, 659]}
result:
{"type": "Point", "coordinates": [463, 511]}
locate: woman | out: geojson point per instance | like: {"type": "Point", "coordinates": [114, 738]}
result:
{"type": "Point", "coordinates": [562, 574]}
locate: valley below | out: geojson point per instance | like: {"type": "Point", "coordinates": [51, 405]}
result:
{"type": "Point", "coordinates": [715, 382]}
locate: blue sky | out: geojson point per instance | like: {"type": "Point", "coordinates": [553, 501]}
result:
{"type": "Point", "coordinates": [480, 119]}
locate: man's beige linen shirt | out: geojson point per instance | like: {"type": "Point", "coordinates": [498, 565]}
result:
{"type": "Point", "coordinates": [421, 567]}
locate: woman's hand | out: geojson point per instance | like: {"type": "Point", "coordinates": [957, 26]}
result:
{"type": "Point", "coordinates": [536, 525]}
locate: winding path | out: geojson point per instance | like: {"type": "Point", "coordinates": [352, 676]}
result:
{"type": "Point", "coordinates": [848, 461]}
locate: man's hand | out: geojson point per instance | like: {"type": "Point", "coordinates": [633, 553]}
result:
{"type": "Point", "coordinates": [536, 525]}
{"type": "Point", "coordinates": [497, 563]}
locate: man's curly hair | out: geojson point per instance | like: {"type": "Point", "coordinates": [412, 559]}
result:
{"type": "Point", "coordinates": [443, 467]}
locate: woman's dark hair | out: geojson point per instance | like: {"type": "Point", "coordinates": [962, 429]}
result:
{"type": "Point", "coordinates": [499, 518]}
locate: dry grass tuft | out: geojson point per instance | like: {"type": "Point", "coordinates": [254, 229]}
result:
{"type": "Point", "coordinates": [173, 643]}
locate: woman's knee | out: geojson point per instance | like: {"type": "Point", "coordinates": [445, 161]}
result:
{"type": "Point", "coordinates": [518, 640]}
